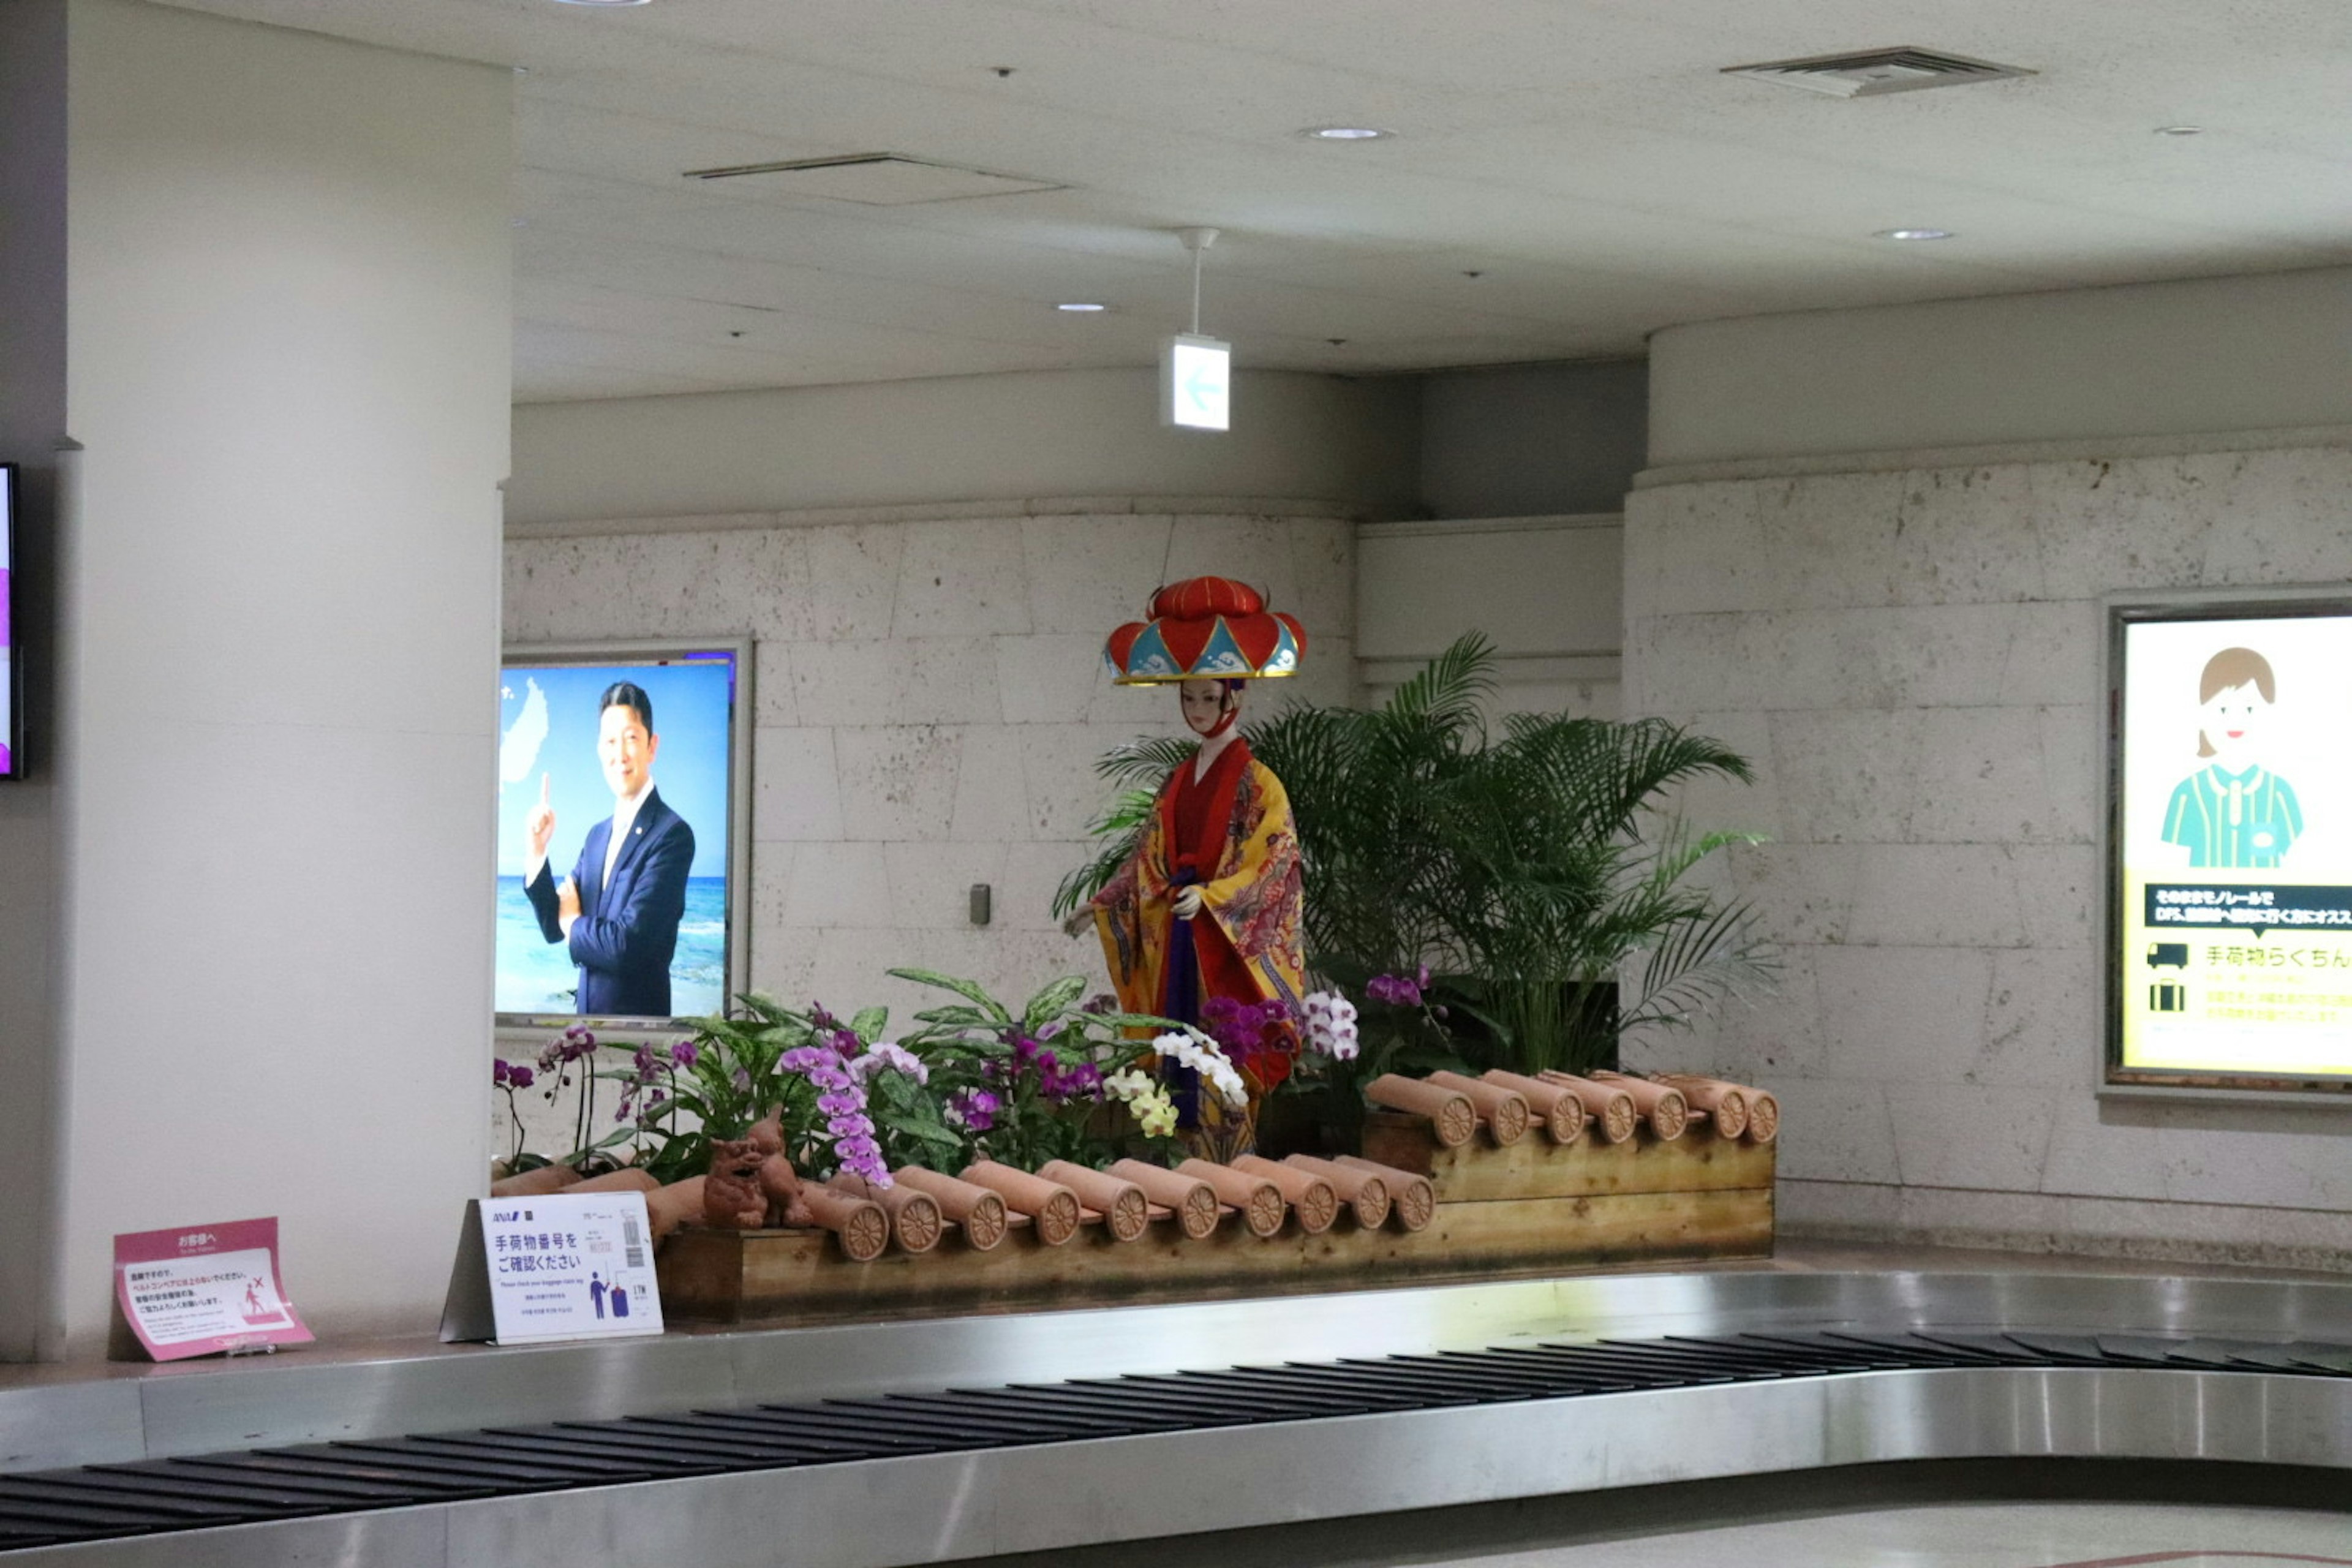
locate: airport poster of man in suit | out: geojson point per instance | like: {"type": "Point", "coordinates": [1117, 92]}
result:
{"type": "Point", "coordinates": [614, 784]}
{"type": "Point", "coordinates": [2236, 847]}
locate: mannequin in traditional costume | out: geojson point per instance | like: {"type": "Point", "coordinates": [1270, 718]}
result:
{"type": "Point", "coordinates": [1209, 905]}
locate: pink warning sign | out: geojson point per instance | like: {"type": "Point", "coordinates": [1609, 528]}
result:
{"type": "Point", "coordinates": [203, 1289]}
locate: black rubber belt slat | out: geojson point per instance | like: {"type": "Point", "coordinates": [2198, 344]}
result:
{"type": "Point", "coordinates": [912, 1426]}
{"type": "Point", "coordinates": [638, 1462]}
{"type": "Point", "coordinates": [1364, 1391]}
{"type": "Point", "coordinates": [561, 1470]}
{"type": "Point", "coordinates": [1478, 1383]}
{"type": "Point", "coordinates": [1204, 1414]}
{"type": "Point", "coordinates": [918, 1432]}
{"type": "Point", "coordinates": [1819, 1356]}
{"type": "Point", "coordinates": [420, 1487]}
{"type": "Point", "coordinates": [781, 1429]}
{"type": "Point", "coordinates": [771, 1450]}
{"type": "Point", "coordinates": [1321, 1395]}
{"type": "Point", "coordinates": [1645, 1369]}
{"type": "Point", "coordinates": [1116, 1414]}
{"type": "Point", "coordinates": [1540, 1367]}
{"type": "Point", "coordinates": [958, 1420]}
{"type": "Point", "coordinates": [164, 1477]}
{"type": "Point", "coordinates": [1230, 1409]}
{"type": "Point", "coordinates": [79, 1490]}
{"type": "Point", "coordinates": [83, 1519]}
{"type": "Point", "coordinates": [1922, 1352]}
{"type": "Point", "coordinates": [1070, 1423]}
{"type": "Point", "coordinates": [427, 1464]}
{"type": "Point", "coordinates": [2001, 1347]}
{"type": "Point", "coordinates": [682, 1454]}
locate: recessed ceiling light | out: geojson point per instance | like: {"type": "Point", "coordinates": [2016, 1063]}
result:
{"type": "Point", "coordinates": [1345, 133]}
{"type": "Point", "coordinates": [2180, 130]}
{"type": "Point", "coordinates": [1081, 307]}
{"type": "Point", "coordinates": [1912, 234]}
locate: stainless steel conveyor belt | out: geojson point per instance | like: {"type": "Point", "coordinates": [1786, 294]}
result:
{"type": "Point", "coordinates": [1572, 1385]}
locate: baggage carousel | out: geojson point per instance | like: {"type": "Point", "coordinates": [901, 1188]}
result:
{"type": "Point", "coordinates": [927, 1442]}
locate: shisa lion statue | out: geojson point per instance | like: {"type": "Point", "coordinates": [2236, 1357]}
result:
{"type": "Point", "coordinates": [1209, 906]}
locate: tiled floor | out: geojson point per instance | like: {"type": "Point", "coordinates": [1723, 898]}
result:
{"type": "Point", "coordinates": [1972, 1535]}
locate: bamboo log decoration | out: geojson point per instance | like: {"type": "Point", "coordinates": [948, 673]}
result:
{"type": "Point", "coordinates": [1763, 1117]}
{"type": "Point", "coordinates": [1452, 1118]}
{"type": "Point", "coordinates": [1665, 1107]}
{"type": "Point", "coordinates": [1053, 1207]}
{"type": "Point", "coordinates": [1503, 1112]}
{"type": "Point", "coordinates": [1126, 1212]}
{"type": "Point", "coordinates": [627, 1179]}
{"type": "Point", "coordinates": [860, 1224]}
{"type": "Point", "coordinates": [1726, 1103]}
{"type": "Point", "coordinates": [1412, 1200]}
{"type": "Point", "coordinates": [1556, 1110]}
{"type": "Point", "coordinates": [1310, 1197]}
{"type": "Point", "coordinates": [977, 1211]}
{"type": "Point", "coordinates": [1259, 1199]}
{"type": "Point", "coordinates": [1191, 1200]}
{"type": "Point", "coordinates": [1608, 1106]}
{"type": "Point", "coordinates": [678, 1203]}
{"type": "Point", "coordinates": [1364, 1191]}
{"type": "Point", "coordinates": [536, 1182]}
{"type": "Point", "coordinates": [914, 1220]}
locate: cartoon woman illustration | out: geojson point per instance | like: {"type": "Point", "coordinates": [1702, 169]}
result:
{"type": "Point", "coordinates": [2233, 814]}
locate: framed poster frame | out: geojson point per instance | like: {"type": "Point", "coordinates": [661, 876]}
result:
{"type": "Point", "coordinates": [2120, 612]}
{"type": "Point", "coordinates": [512, 1027]}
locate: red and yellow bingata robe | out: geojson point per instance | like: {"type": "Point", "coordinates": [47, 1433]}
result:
{"type": "Point", "coordinates": [1244, 944]}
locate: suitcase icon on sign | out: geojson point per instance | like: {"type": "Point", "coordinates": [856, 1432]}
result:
{"type": "Point", "coordinates": [2168, 998]}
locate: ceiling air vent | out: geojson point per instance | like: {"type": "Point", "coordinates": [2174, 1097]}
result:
{"type": "Point", "coordinates": [1874, 72]}
{"type": "Point", "coordinates": [875, 179]}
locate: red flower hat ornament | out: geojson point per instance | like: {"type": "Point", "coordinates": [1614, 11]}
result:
{"type": "Point", "coordinates": [1205, 628]}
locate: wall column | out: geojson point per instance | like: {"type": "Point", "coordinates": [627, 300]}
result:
{"type": "Point", "coordinates": [285, 360]}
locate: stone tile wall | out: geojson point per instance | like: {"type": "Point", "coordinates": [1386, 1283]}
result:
{"type": "Point", "coordinates": [930, 703]}
{"type": "Point", "coordinates": [1912, 658]}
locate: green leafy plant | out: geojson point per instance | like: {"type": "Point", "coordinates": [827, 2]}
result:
{"type": "Point", "coordinates": [1053, 1080]}
{"type": "Point", "coordinates": [845, 1098]}
{"type": "Point", "coordinates": [1539, 873]}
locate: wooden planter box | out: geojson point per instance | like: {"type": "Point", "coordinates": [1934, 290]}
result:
{"type": "Point", "coordinates": [1535, 1208]}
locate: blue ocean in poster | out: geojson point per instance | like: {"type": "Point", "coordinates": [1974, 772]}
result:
{"type": "Point", "coordinates": [537, 977]}
{"type": "Point", "coordinates": [547, 718]}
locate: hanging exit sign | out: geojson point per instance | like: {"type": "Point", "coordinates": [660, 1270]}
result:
{"type": "Point", "coordinates": [1196, 382]}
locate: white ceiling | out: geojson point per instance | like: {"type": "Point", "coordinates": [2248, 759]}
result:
{"type": "Point", "coordinates": [1585, 157]}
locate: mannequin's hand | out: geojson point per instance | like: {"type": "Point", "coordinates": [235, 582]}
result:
{"type": "Point", "coordinates": [1188, 903]}
{"type": "Point", "coordinates": [1079, 920]}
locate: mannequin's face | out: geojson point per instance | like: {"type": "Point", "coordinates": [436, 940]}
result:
{"type": "Point", "coordinates": [1204, 704]}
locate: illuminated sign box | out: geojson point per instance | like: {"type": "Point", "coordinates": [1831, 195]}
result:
{"type": "Point", "coordinates": [1196, 382]}
{"type": "Point", "coordinates": [2229, 947]}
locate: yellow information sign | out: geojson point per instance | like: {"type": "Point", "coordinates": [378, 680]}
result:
{"type": "Point", "coordinates": [2234, 848]}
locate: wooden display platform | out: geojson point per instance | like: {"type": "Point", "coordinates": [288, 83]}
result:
{"type": "Point", "coordinates": [1533, 1208]}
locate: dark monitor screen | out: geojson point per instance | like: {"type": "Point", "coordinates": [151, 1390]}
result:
{"type": "Point", "coordinates": [12, 658]}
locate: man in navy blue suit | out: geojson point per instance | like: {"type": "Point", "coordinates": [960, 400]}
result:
{"type": "Point", "coordinates": [619, 909]}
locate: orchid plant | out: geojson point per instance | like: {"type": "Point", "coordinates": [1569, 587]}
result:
{"type": "Point", "coordinates": [847, 1100]}
{"type": "Point", "coordinates": [1030, 1086]}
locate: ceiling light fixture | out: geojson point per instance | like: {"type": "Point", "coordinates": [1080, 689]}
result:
{"type": "Point", "coordinates": [1912, 234]}
{"type": "Point", "coordinates": [1079, 307]}
{"type": "Point", "coordinates": [1346, 133]}
{"type": "Point", "coordinates": [604, 2]}
{"type": "Point", "coordinates": [2180, 130]}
